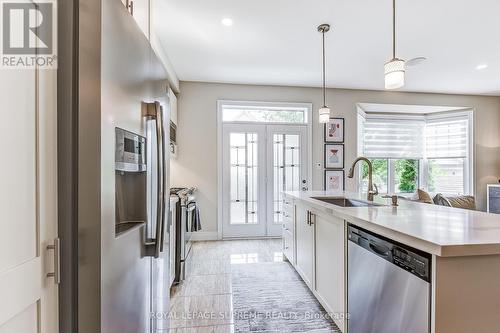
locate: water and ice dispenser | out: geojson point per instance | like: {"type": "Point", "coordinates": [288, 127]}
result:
{"type": "Point", "coordinates": [130, 181]}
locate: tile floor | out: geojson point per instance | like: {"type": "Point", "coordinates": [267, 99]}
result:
{"type": "Point", "coordinates": [203, 302]}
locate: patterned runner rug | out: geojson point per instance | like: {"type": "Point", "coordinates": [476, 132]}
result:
{"type": "Point", "coordinates": [271, 297]}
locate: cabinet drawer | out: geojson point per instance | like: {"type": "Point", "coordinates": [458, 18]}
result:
{"type": "Point", "coordinates": [288, 245]}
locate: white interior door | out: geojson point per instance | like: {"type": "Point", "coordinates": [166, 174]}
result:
{"type": "Point", "coordinates": [259, 162]}
{"type": "Point", "coordinates": [28, 298]}
{"type": "Point", "coordinates": [287, 169]}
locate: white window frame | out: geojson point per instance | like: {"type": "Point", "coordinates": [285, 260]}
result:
{"type": "Point", "coordinates": [469, 174]}
{"type": "Point", "coordinates": [270, 105]}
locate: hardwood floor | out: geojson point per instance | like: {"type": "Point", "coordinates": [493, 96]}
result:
{"type": "Point", "coordinates": [203, 303]}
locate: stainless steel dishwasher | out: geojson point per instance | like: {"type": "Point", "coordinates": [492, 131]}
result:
{"type": "Point", "coordinates": [388, 285]}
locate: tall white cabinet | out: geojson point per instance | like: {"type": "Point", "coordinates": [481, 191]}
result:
{"type": "Point", "coordinates": [319, 241]}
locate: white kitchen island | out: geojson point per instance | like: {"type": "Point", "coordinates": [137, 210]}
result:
{"type": "Point", "coordinates": [464, 245]}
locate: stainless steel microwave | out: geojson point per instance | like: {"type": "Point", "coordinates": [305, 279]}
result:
{"type": "Point", "coordinates": [130, 151]}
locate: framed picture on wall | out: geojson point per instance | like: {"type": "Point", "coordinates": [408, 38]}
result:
{"type": "Point", "coordinates": [334, 156]}
{"type": "Point", "coordinates": [334, 130]}
{"type": "Point", "coordinates": [334, 180]}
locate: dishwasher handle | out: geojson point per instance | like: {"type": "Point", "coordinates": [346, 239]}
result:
{"type": "Point", "coordinates": [380, 249]}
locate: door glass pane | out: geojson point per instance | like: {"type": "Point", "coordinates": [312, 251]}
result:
{"type": "Point", "coordinates": [286, 169]}
{"type": "Point", "coordinates": [243, 181]}
{"type": "Point", "coordinates": [263, 115]}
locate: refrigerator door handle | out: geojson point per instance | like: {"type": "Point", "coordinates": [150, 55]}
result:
{"type": "Point", "coordinates": [163, 179]}
{"type": "Point", "coordinates": [152, 111]}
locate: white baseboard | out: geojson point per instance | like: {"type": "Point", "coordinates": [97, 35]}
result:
{"type": "Point", "coordinates": [251, 238]}
{"type": "Point", "coordinates": [204, 236]}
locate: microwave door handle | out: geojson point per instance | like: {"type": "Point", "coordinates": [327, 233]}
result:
{"type": "Point", "coordinates": [163, 178]}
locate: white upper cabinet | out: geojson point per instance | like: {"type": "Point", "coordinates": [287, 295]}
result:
{"type": "Point", "coordinates": [173, 106]}
{"type": "Point", "coordinates": [141, 14]}
{"type": "Point", "coordinates": [140, 10]}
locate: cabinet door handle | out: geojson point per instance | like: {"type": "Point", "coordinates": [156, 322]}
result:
{"type": "Point", "coordinates": [130, 7]}
{"type": "Point", "coordinates": [313, 218]}
{"type": "Point", "coordinates": [308, 218]}
{"type": "Point", "coordinates": [56, 274]}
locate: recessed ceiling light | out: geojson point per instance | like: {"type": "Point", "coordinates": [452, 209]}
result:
{"type": "Point", "coordinates": [227, 22]}
{"type": "Point", "coordinates": [481, 67]}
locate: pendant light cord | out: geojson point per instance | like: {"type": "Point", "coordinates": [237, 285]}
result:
{"type": "Point", "coordinates": [324, 75]}
{"type": "Point", "coordinates": [393, 29]}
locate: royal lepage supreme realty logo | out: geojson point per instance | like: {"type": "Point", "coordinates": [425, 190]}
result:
{"type": "Point", "coordinates": [28, 34]}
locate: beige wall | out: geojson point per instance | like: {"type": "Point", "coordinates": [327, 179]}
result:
{"type": "Point", "coordinates": [197, 133]}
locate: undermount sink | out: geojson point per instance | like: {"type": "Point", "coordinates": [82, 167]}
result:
{"type": "Point", "coordinates": [344, 202]}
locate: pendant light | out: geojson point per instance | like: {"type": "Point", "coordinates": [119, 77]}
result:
{"type": "Point", "coordinates": [324, 111]}
{"type": "Point", "coordinates": [395, 68]}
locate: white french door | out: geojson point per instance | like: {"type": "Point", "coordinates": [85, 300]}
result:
{"type": "Point", "coordinates": [28, 293]}
{"type": "Point", "coordinates": [259, 162]}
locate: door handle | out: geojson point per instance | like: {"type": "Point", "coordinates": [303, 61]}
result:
{"type": "Point", "coordinates": [152, 111]}
{"type": "Point", "coordinates": [304, 185]}
{"type": "Point", "coordinates": [163, 178]}
{"type": "Point", "coordinates": [130, 6]}
{"type": "Point", "coordinates": [313, 217]}
{"type": "Point", "coordinates": [379, 249]}
{"type": "Point", "coordinates": [56, 274]}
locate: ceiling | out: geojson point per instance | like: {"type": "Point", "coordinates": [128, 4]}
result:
{"type": "Point", "coordinates": [275, 42]}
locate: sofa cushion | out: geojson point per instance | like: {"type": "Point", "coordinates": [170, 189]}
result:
{"type": "Point", "coordinates": [424, 197]}
{"type": "Point", "coordinates": [441, 200]}
{"type": "Point", "coordinates": [460, 201]}
{"type": "Point", "coordinates": [463, 201]}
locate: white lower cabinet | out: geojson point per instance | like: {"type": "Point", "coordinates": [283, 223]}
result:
{"type": "Point", "coordinates": [329, 265]}
{"type": "Point", "coordinates": [320, 258]}
{"type": "Point", "coordinates": [304, 236]}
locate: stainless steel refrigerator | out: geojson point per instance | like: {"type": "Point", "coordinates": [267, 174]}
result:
{"type": "Point", "coordinates": [113, 128]}
{"type": "Point", "coordinates": [135, 263]}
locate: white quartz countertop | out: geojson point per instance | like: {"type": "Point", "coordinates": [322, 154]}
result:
{"type": "Point", "coordinates": [438, 230]}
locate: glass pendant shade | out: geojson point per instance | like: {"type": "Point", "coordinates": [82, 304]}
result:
{"type": "Point", "coordinates": [394, 74]}
{"type": "Point", "coordinates": [324, 115]}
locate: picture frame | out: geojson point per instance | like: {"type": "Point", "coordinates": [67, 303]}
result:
{"type": "Point", "coordinates": [334, 130]}
{"type": "Point", "coordinates": [334, 180]}
{"type": "Point", "coordinates": [334, 156]}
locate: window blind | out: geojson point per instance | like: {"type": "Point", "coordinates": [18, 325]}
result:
{"type": "Point", "coordinates": [447, 138]}
{"type": "Point", "coordinates": [393, 138]}
{"type": "Point", "coordinates": [446, 175]}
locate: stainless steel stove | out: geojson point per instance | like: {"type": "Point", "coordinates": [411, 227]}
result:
{"type": "Point", "coordinates": [185, 211]}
